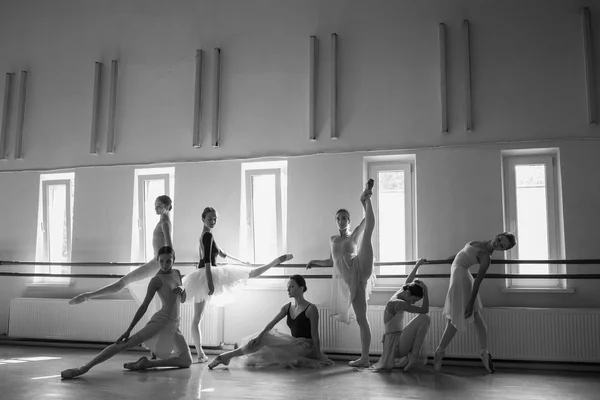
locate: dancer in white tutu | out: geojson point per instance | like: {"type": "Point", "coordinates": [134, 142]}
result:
{"type": "Point", "coordinates": [353, 278]}
{"type": "Point", "coordinates": [161, 236]}
{"type": "Point", "coordinates": [210, 279]}
{"type": "Point", "coordinates": [161, 333]}
{"type": "Point", "coordinates": [463, 304]}
{"type": "Point", "coordinates": [403, 348]}
{"type": "Point", "coordinates": [273, 348]}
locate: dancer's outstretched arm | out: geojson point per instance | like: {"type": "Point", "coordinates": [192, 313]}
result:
{"type": "Point", "coordinates": [256, 341]}
{"type": "Point", "coordinates": [328, 262]}
{"type": "Point", "coordinates": [153, 287]}
{"type": "Point", "coordinates": [413, 273]}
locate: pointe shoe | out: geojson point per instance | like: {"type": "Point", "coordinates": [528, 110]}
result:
{"type": "Point", "coordinates": [359, 363]}
{"type": "Point", "coordinates": [437, 360]}
{"type": "Point", "coordinates": [218, 360]}
{"type": "Point", "coordinates": [138, 365]}
{"type": "Point", "coordinates": [368, 191]}
{"type": "Point", "coordinates": [413, 362]}
{"type": "Point", "coordinates": [486, 358]}
{"type": "Point", "coordinates": [202, 360]}
{"type": "Point", "coordinates": [79, 299]}
{"type": "Point", "coordinates": [285, 257]}
{"type": "Point", "coordinates": [72, 373]}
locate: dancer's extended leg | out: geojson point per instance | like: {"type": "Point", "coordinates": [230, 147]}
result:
{"type": "Point", "coordinates": [145, 271]}
{"type": "Point", "coordinates": [447, 337]}
{"type": "Point", "coordinates": [264, 268]}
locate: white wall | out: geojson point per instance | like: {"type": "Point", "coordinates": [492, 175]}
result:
{"type": "Point", "coordinates": [528, 91]}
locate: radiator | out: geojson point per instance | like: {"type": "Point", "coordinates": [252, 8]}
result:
{"type": "Point", "coordinates": [97, 320]}
{"type": "Point", "coordinates": [562, 335]}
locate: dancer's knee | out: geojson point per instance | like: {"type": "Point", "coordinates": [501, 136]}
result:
{"type": "Point", "coordinates": [185, 359]}
{"type": "Point", "coordinates": [424, 319]}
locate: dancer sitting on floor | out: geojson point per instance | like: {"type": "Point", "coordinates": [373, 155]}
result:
{"type": "Point", "coordinates": [209, 280]}
{"type": "Point", "coordinates": [353, 278]}
{"type": "Point", "coordinates": [273, 348]}
{"type": "Point", "coordinates": [161, 334]}
{"type": "Point", "coordinates": [405, 345]}
{"type": "Point", "coordinates": [463, 304]}
{"type": "Point", "coordinates": [161, 236]}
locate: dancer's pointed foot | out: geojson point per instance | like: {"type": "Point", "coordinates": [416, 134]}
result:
{"type": "Point", "coordinates": [368, 192]}
{"type": "Point", "coordinates": [486, 358]}
{"type": "Point", "coordinates": [218, 360]}
{"type": "Point", "coordinates": [83, 297]}
{"type": "Point", "coordinates": [141, 364]}
{"type": "Point", "coordinates": [285, 257]}
{"type": "Point", "coordinates": [360, 363]}
{"type": "Point", "coordinates": [73, 372]}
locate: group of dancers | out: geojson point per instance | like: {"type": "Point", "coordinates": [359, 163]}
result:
{"type": "Point", "coordinates": [353, 279]}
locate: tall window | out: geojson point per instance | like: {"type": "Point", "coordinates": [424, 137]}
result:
{"type": "Point", "coordinates": [532, 198]}
{"type": "Point", "coordinates": [265, 187]}
{"type": "Point", "coordinates": [393, 204]}
{"type": "Point", "coordinates": [149, 184]}
{"type": "Point", "coordinates": [55, 225]}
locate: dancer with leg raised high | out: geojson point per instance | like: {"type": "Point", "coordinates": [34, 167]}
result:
{"type": "Point", "coordinates": [161, 334]}
{"type": "Point", "coordinates": [353, 278]}
{"type": "Point", "coordinates": [210, 279]}
{"type": "Point", "coordinates": [161, 236]}
{"type": "Point", "coordinates": [463, 304]}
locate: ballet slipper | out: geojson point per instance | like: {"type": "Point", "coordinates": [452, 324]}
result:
{"type": "Point", "coordinates": [79, 299]}
{"type": "Point", "coordinates": [138, 365]}
{"type": "Point", "coordinates": [486, 358]}
{"type": "Point", "coordinates": [72, 372]}
{"type": "Point", "coordinates": [218, 360]}
{"type": "Point", "coordinates": [437, 360]}
{"type": "Point", "coordinates": [202, 360]}
{"type": "Point", "coordinates": [413, 362]}
{"type": "Point", "coordinates": [285, 257]}
{"type": "Point", "coordinates": [360, 363]}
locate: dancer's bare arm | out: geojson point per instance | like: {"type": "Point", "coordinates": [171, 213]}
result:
{"type": "Point", "coordinates": [166, 229]}
{"type": "Point", "coordinates": [180, 290]}
{"type": "Point", "coordinates": [399, 305]}
{"type": "Point", "coordinates": [313, 315]}
{"type": "Point", "coordinates": [484, 264]}
{"type": "Point", "coordinates": [282, 313]}
{"type": "Point", "coordinates": [153, 287]}
{"type": "Point", "coordinates": [413, 273]}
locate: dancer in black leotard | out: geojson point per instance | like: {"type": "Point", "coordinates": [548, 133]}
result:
{"type": "Point", "coordinates": [273, 348]}
{"type": "Point", "coordinates": [209, 280]}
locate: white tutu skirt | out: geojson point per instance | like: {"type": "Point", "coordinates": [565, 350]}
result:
{"type": "Point", "coordinates": [227, 279]}
{"type": "Point", "coordinates": [459, 293]}
{"type": "Point", "coordinates": [278, 349]}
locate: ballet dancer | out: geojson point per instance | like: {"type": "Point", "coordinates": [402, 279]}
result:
{"type": "Point", "coordinates": [353, 278]}
{"type": "Point", "coordinates": [273, 348]}
{"type": "Point", "coordinates": [161, 236]}
{"type": "Point", "coordinates": [161, 334]}
{"type": "Point", "coordinates": [463, 304]}
{"type": "Point", "coordinates": [210, 279]}
{"type": "Point", "coordinates": [405, 344]}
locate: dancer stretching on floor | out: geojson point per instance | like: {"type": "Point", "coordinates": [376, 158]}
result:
{"type": "Point", "coordinates": [161, 334]}
{"type": "Point", "coordinates": [407, 343]}
{"type": "Point", "coordinates": [463, 304]}
{"type": "Point", "coordinates": [161, 236]}
{"type": "Point", "coordinates": [353, 278]}
{"type": "Point", "coordinates": [210, 279]}
{"type": "Point", "coordinates": [273, 348]}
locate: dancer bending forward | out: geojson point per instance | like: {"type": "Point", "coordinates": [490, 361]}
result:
{"type": "Point", "coordinates": [273, 348]}
{"type": "Point", "coordinates": [353, 278]}
{"type": "Point", "coordinates": [161, 334]}
{"type": "Point", "coordinates": [404, 347]}
{"type": "Point", "coordinates": [161, 236]}
{"type": "Point", "coordinates": [463, 304]}
{"type": "Point", "coordinates": [210, 279]}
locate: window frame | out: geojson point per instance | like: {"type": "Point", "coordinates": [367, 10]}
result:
{"type": "Point", "coordinates": [407, 166]}
{"type": "Point", "coordinates": [555, 232]}
{"type": "Point", "coordinates": [141, 179]}
{"type": "Point", "coordinates": [249, 174]}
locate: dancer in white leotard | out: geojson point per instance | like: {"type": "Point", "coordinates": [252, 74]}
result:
{"type": "Point", "coordinates": [161, 236]}
{"type": "Point", "coordinates": [403, 347]}
{"type": "Point", "coordinates": [161, 334]}
{"type": "Point", "coordinates": [463, 304]}
{"type": "Point", "coordinates": [210, 279]}
{"type": "Point", "coordinates": [353, 278]}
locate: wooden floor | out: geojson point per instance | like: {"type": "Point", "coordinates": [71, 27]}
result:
{"type": "Point", "coordinates": [28, 373]}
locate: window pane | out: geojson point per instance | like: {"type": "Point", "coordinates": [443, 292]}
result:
{"type": "Point", "coordinates": [264, 217]}
{"type": "Point", "coordinates": [391, 221]}
{"type": "Point", "coordinates": [152, 189]}
{"type": "Point", "coordinates": [57, 229]}
{"type": "Point", "coordinates": [532, 216]}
